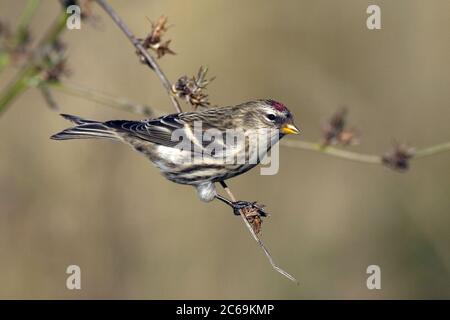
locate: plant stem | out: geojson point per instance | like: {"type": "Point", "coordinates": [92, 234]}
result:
{"type": "Point", "coordinates": [4, 60]}
{"type": "Point", "coordinates": [18, 86]}
{"type": "Point", "coordinates": [25, 19]}
{"type": "Point", "coordinates": [102, 98]}
{"type": "Point", "coordinates": [29, 70]}
{"type": "Point", "coordinates": [360, 157]}
{"type": "Point", "coordinates": [257, 239]}
{"type": "Point", "coordinates": [151, 62]}
{"type": "Point", "coordinates": [429, 151]}
{"type": "Point", "coordinates": [55, 30]}
{"type": "Point", "coordinates": [22, 31]}
{"type": "Point", "coordinates": [354, 156]}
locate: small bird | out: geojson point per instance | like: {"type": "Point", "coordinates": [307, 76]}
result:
{"type": "Point", "coordinates": [193, 161]}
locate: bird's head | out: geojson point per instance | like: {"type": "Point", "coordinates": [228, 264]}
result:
{"type": "Point", "coordinates": [270, 114]}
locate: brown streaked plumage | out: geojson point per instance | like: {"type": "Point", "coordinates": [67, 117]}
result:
{"type": "Point", "coordinates": [159, 140]}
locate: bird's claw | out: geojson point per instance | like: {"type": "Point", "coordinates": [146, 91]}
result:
{"type": "Point", "coordinates": [249, 207]}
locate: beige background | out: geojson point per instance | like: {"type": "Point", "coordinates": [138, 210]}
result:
{"type": "Point", "coordinates": [136, 235]}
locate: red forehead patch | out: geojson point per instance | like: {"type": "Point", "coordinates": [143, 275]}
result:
{"type": "Point", "coordinates": [277, 105]}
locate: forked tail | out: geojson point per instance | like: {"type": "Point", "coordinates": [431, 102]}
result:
{"type": "Point", "coordinates": [85, 129]}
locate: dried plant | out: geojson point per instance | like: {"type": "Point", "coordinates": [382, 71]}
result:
{"type": "Point", "coordinates": [192, 89]}
{"type": "Point", "coordinates": [45, 64]}
{"type": "Point", "coordinates": [16, 46]}
{"type": "Point", "coordinates": [52, 65]}
{"type": "Point", "coordinates": [254, 215]}
{"type": "Point", "coordinates": [335, 131]}
{"type": "Point", "coordinates": [398, 158]}
{"type": "Point", "coordinates": [154, 40]}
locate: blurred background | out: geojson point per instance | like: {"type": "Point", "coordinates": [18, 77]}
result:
{"type": "Point", "coordinates": [134, 234]}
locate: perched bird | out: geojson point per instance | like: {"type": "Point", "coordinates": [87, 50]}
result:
{"type": "Point", "coordinates": [182, 148]}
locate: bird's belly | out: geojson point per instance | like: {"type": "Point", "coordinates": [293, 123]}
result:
{"type": "Point", "coordinates": [185, 167]}
{"type": "Point", "coordinates": [181, 167]}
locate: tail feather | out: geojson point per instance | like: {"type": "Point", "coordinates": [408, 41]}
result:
{"type": "Point", "coordinates": [76, 120]}
{"type": "Point", "coordinates": [85, 129]}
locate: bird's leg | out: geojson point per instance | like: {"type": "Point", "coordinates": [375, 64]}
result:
{"type": "Point", "coordinates": [238, 205]}
{"type": "Point", "coordinates": [228, 202]}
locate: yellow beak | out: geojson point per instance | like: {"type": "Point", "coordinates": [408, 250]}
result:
{"type": "Point", "coordinates": [289, 129]}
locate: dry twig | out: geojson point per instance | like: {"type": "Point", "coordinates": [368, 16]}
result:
{"type": "Point", "coordinates": [104, 99]}
{"type": "Point", "coordinates": [144, 55]}
{"type": "Point", "coordinates": [151, 62]}
{"type": "Point", "coordinates": [258, 239]}
{"type": "Point", "coordinates": [394, 159]}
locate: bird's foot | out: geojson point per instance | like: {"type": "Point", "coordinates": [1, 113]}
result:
{"type": "Point", "coordinates": [250, 209]}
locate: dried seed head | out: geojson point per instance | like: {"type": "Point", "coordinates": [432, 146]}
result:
{"type": "Point", "coordinates": [159, 28]}
{"type": "Point", "coordinates": [17, 46]}
{"type": "Point", "coordinates": [254, 214]}
{"type": "Point", "coordinates": [335, 131]}
{"type": "Point", "coordinates": [398, 158]}
{"type": "Point", "coordinates": [154, 40]}
{"type": "Point", "coordinates": [53, 63]}
{"type": "Point", "coordinates": [192, 89]}
{"type": "Point", "coordinates": [162, 48]}
{"type": "Point", "coordinates": [349, 137]}
{"type": "Point", "coordinates": [55, 72]}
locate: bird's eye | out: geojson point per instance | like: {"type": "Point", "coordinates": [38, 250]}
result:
{"type": "Point", "coordinates": [271, 117]}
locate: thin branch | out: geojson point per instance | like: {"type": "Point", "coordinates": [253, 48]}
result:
{"type": "Point", "coordinates": [354, 156]}
{"type": "Point", "coordinates": [102, 98]}
{"type": "Point", "coordinates": [22, 35]}
{"type": "Point", "coordinates": [48, 97]}
{"type": "Point", "coordinates": [21, 81]}
{"type": "Point", "coordinates": [257, 239]}
{"type": "Point", "coordinates": [25, 19]}
{"type": "Point", "coordinates": [148, 59]}
{"type": "Point", "coordinates": [4, 60]}
{"type": "Point", "coordinates": [429, 151]}
{"type": "Point", "coordinates": [16, 87]}
{"type": "Point", "coordinates": [360, 157]}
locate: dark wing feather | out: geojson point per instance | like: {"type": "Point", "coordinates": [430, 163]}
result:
{"type": "Point", "coordinates": [157, 131]}
{"type": "Point", "coordinates": [160, 130]}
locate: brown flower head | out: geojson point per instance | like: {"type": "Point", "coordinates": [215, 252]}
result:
{"type": "Point", "coordinates": [254, 214]}
{"type": "Point", "coordinates": [335, 131]}
{"type": "Point", "coordinates": [53, 63]}
{"type": "Point", "coordinates": [192, 89]}
{"type": "Point", "coordinates": [154, 38]}
{"type": "Point", "coordinates": [398, 158]}
{"type": "Point", "coordinates": [15, 45]}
